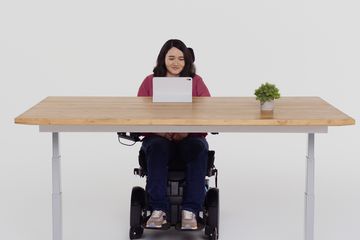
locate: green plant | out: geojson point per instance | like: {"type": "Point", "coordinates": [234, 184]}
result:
{"type": "Point", "coordinates": [267, 92]}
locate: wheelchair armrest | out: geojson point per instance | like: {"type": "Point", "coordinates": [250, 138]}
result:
{"type": "Point", "coordinates": [139, 171]}
{"type": "Point", "coordinates": [135, 137]}
{"type": "Point", "coordinates": [132, 137]}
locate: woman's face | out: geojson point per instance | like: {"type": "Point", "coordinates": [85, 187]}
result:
{"type": "Point", "coordinates": [174, 62]}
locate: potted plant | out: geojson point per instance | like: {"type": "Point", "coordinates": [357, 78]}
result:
{"type": "Point", "coordinates": [266, 94]}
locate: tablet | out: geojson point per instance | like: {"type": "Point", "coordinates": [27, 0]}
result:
{"type": "Point", "coordinates": [172, 89]}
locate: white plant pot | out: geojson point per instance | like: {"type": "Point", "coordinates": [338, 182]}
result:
{"type": "Point", "coordinates": [267, 106]}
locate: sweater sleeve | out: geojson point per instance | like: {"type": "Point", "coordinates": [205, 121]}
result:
{"type": "Point", "coordinates": [201, 89]}
{"type": "Point", "coordinates": [145, 89]}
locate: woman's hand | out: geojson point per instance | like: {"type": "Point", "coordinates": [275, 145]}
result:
{"type": "Point", "coordinates": [173, 136]}
{"type": "Point", "coordinates": [165, 135]}
{"type": "Point", "coordinates": [179, 136]}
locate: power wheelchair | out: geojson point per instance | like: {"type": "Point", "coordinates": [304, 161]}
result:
{"type": "Point", "coordinates": [208, 218]}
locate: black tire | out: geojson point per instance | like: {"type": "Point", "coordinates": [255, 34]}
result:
{"type": "Point", "coordinates": [214, 235]}
{"type": "Point", "coordinates": [137, 206]}
{"type": "Point", "coordinates": [138, 196]}
{"type": "Point", "coordinates": [136, 232]}
{"type": "Point", "coordinates": [212, 206]}
{"type": "Point", "coordinates": [135, 216]}
{"type": "Point", "coordinates": [207, 230]}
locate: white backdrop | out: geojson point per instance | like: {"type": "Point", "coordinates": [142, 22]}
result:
{"type": "Point", "coordinates": [106, 48]}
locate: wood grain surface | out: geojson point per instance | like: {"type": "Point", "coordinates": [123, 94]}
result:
{"type": "Point", "coordinates": [216, 111]}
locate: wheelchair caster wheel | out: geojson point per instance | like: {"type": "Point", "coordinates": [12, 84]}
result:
{"type": "Point", "coordinates": [136, 232]}
{"type": "Point", "coordinates": [212, 220]}
{"type": "Point", "coordinates": [136, 212]}
{"type": "Point", "coordinates": [207, 230]}
{"type": "Point", "coordinates": [213, 235]}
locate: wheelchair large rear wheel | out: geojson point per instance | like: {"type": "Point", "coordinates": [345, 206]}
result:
{"type": "Point", "coordinates": [136, 212]}
{"type": "Point", "coordinates": [212, 216]}
{"type": "Point", "coordinates": [136, 232]}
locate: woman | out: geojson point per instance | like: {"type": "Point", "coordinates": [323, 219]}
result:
{"type": "Point", "coordinates": [175, 60]}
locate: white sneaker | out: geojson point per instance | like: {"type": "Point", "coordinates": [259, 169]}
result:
{"type": "Point", "coordinates": [156, 220]}
{"type": "Point", "coordinates": [188, 220]}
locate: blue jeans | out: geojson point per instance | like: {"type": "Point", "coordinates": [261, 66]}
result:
{"type": "Point", "coordinates": [193, 150]}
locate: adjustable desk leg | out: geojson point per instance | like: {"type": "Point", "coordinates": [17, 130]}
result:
{"type": "Point", "coordinates": [309, 194]}
{"type": "Point", "coordinates": [56, 188]}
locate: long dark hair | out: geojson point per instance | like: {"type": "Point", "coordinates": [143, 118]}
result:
{"type": "Point", "coordinates": [189, 68]}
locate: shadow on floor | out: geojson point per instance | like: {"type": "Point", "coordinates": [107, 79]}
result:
{"type": "Point", "coordinates": [173, 234]}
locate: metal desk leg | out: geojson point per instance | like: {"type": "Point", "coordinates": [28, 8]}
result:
{"type": "Point", "coordinates": [56, 188]}
{"type": "Point", "coordinates": [309, 194]}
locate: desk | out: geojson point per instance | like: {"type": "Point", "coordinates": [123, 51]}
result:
{"type": "Point", "coordinates": [308, 115]}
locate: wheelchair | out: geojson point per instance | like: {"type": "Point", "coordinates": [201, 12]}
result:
{"type": "Point", "coordinates": [208, 218]}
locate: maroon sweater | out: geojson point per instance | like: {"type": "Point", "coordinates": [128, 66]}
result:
{"type": "Point", "coordinates": [199, 89]}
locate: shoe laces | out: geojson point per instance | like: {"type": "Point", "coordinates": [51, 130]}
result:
{"type": "Point", "coordinates": [188, 214]}
{"type": "Point", "coordinates": [156, 213]}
